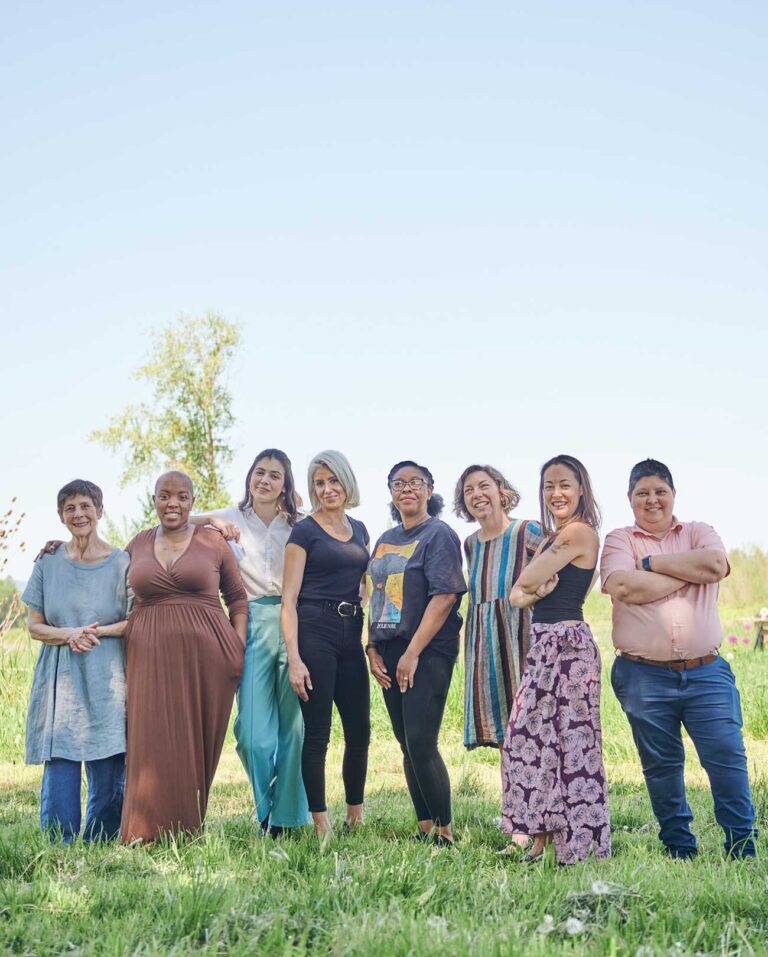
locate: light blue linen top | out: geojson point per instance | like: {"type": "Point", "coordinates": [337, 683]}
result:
{"type": "Point", "coordinates": [77, 703]}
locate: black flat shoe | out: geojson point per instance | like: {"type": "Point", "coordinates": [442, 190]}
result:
{"type": "Point", "coordinates": [439, 840]}
{"type": "Point", "coordinates": [532, 858]}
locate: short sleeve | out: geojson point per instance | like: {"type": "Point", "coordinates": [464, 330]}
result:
{"type": "Point", "coordinates": [33, 593]}
{"type": "Point", "coordinates": [300, 535]}
{"type": "Point", "coordinates": [618, 556]}
{"type": "Point", "coordinates": [442, 563]}
{"type": "Point", "coordinates": [704, 536]}
{"type": "Point", "coordinates": [366, 536]}
{"type": "Point", "coordinates": [533, 538]}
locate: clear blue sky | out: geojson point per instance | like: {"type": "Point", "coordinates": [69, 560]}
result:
{"type": "Point", "coordinates": [453, 232]}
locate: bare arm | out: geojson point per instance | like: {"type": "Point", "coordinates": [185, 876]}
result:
{"type": "Point", "coordinates": [639, 588]}
{"type": "Point", "coordinates": [77, 639]}
{"type": "Point", "coordinates": [577, 541]}
{"type": "Point", "coordinates": [433, 619]}
{"type": "Point", "coordinates": [293, 575]}
{"type": "Point", "coordinates": [702, 566]}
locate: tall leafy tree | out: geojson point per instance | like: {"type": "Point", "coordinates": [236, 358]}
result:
{"type": "Point", "coordinates": [187, 423]}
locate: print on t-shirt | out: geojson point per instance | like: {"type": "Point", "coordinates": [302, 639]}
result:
{"type": "Point", "coordinates": [386, 576]}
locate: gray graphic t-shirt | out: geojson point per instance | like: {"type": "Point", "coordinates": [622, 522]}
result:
{"type": "Point", "coordinates": [407, 568]}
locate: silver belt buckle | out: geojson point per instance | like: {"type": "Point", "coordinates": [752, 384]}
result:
{"type": "Point", "coordinates": [342, 609]}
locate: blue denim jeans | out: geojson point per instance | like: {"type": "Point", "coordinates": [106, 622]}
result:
{"type": "Point", "coordinates": [60, 811]}
{"type": "Point", "coordinates": [658, 704]}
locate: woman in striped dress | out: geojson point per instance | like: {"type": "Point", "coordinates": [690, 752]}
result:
{"type": "Point", "coordinates": [496, 635]}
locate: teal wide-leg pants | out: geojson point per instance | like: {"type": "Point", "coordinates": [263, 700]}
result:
{"type": "Point", "coordinates": [269, 727]}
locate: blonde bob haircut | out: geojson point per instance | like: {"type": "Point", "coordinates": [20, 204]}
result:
{"type": "Point", "coordinates": [337, 463]}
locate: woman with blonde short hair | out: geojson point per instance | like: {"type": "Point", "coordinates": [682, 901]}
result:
{"type": "Point", "coordinates": [322, 620]}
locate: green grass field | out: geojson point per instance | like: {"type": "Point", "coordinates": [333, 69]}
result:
{"type": "Point", "coordinates": [376, 891]}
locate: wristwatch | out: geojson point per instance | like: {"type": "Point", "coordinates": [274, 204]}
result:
{"type": "Point", "coordinates": [646, 563]}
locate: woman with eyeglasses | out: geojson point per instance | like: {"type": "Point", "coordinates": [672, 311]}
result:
{"type": "Point", "coordinates": [416, 584]}
{"type": "Point", "coordinates": [322, 621]}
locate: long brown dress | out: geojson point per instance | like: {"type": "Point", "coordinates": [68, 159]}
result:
{"type": "Point", "coordinates": [183, 665]}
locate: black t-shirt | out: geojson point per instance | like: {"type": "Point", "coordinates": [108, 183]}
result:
{"type": "Point", "coordinates": [408, 567]}
{"type": "Point", "coordinates": [334, 569]}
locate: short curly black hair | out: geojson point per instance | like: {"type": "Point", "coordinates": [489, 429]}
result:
{"type": "Point", "coordinates": [435, 505]}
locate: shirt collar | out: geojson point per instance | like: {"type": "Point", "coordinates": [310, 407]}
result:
{"type": "Point", "coordinates": [280, 518]}
{"type": "Point", "coordinates": [642, 533]}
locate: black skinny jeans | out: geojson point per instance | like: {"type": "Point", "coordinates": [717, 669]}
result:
{"type": "Point", "coordinates": [416, 717]}
{"type": "Point", "coordinates": [331, 648]}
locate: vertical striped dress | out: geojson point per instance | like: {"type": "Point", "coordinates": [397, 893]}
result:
{"type": "Point", "coordinates": [496, 635]}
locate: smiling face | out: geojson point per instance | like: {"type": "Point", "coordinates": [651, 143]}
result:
{"type": "Point", "coordinates": [653, 501]}
{"type": "Point", "coordinates": [562, 493]}
{"type": "Point", "coordinates": [173, 500]}
{"type": "Point", "coordinates": [482, 497]}
{"type": "Point", "coordinates": [328, 489]}
{"type": "Point", "coordinates": [410, 492]}
{"type": "Point", "coordinates": [267, 482]}
{"type": "Point", "coordinates": [80, 515]}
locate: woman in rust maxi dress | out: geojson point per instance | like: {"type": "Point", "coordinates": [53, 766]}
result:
{"type": "Point", "coordinates": [183, 662]}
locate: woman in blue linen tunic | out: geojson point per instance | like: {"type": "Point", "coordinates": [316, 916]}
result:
{"type": "Point", "coordinates": [78, 602]}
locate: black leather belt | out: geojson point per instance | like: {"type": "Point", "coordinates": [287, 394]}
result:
{"type": "Point", "coordinates": [344, 609]}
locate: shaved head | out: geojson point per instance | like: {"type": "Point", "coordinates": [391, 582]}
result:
{"type": "Point", "coordinates": [173, 478]}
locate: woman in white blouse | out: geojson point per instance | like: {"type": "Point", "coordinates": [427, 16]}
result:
{"type": "Point", "coordinates": [269, 728]}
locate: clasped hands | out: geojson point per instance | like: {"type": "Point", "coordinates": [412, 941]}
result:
{"type": "Point", "coordinates": [82, 639]}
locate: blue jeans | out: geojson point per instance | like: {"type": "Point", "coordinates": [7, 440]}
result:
{"type": "Point", "coordinates": [705, 701]}
{"type": "Point", "coordinates": [269, 727]}
{"type": "Point", "coordinates": [60, 810]}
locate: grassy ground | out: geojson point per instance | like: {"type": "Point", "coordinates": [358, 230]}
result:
{"type": "Point", "coordinates": [377, 892]}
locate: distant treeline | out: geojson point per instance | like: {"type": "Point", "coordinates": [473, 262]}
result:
{"type": "Point", "coordinates": [745, 588]}
{"type": "Point", "coordinates": [747, 585]}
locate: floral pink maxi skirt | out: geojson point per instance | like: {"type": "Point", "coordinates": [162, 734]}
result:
{"type": "Point", "coordinates": [552, 759]}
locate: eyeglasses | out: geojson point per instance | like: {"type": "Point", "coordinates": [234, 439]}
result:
{"type": "Point", "coordinates": [414, 484]}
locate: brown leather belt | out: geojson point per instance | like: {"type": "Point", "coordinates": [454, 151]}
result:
{"type": "Point", "coordinates": [674, 665]}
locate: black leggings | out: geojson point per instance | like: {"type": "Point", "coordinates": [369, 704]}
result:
{"type": "Point", "coordinates": [416, 718]}
{"type": "Point", "coordinates": [331, 648]}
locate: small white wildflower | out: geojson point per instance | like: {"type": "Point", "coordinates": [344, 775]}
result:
{"type": "Point", "coordinates": [437, 924]}
{"type": "Point", "coordinates": [601, 887]}
{"type": "Point", "coordinates": [574, 926]}
{"type": "Point", "coordinates": [547, 925]}
{"type": "Point", "coordinates": [644, 951]}
{"type": "Point", "coordinates": [728, 657]}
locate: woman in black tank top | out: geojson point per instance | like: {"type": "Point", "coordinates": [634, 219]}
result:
{"type": "Point", "coordinates": [552, 763]}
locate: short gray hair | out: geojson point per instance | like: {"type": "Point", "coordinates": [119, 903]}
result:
{"type": "Point", "coordinates": [337, 463]}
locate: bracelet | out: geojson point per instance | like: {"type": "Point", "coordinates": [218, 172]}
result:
{"type": "Point", "coordinates": [646, 563]}
{"type": "Point", "coordinates": [371, 646]}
